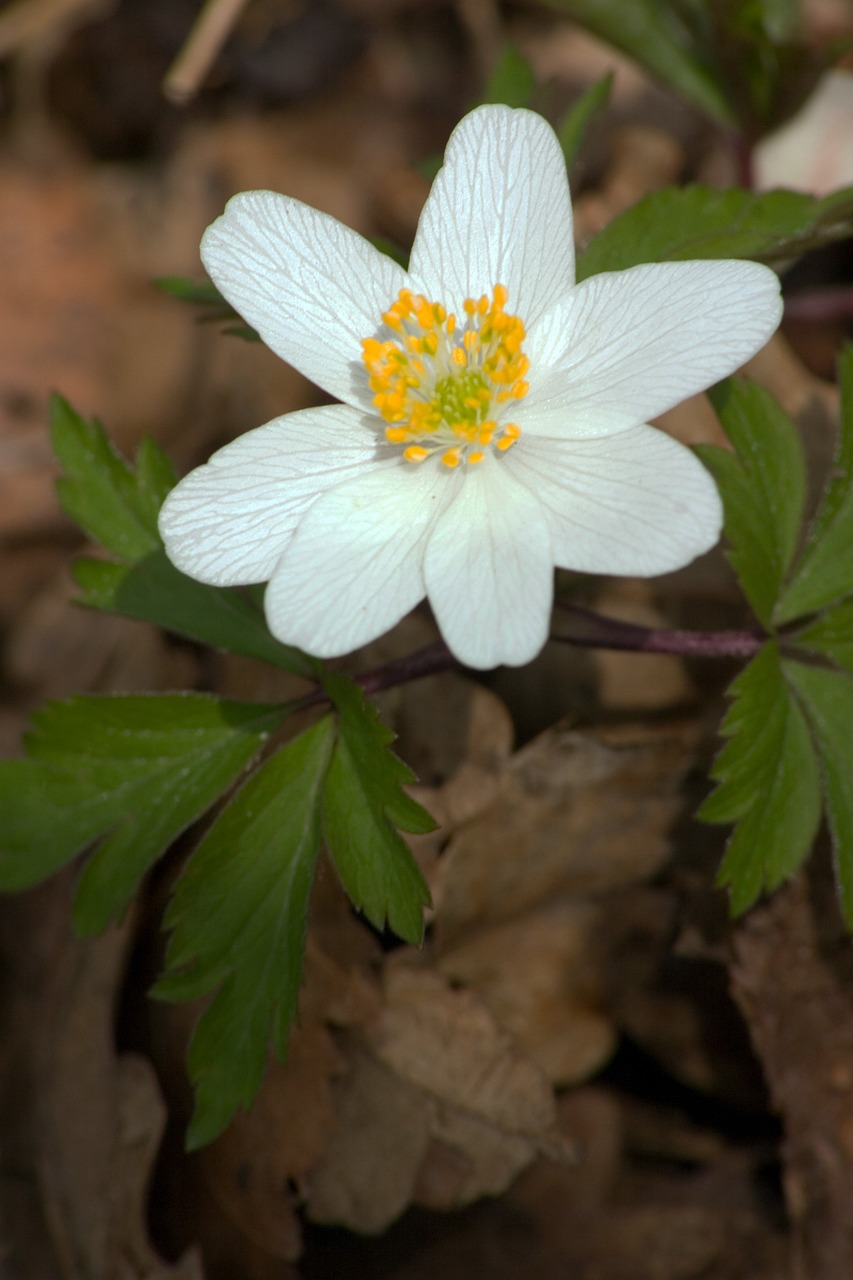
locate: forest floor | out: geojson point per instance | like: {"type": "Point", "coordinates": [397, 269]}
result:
{"type": "Point", "coordinates": [588, 1071]}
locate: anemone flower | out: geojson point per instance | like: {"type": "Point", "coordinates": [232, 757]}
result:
{"type": "Point", "coordinates": [493, 413]}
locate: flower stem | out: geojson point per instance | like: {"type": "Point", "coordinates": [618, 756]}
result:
{"type": "Point", "coordinates": [595, 631]}
{"type": "Point", "coordinates": [589, 630]}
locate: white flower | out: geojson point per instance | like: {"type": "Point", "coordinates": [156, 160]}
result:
{"type": "Point", "coordinates": [493, 413]}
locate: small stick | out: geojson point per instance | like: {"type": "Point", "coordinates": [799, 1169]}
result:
{"type": "Point", "coordinates": [210, 30]}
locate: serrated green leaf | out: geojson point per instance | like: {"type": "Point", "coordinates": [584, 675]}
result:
{"type": "Point", "coordinates": [679, 223]}
{"type": "Point", "coordinates": [574, 127]}
{"type": "Point", "coordinates": [763, 488]}
{"type": "Point", "coordinates": [831, 634]}
{"type": "Point", "coordinates": [101, 492]}
{"type": "Point", "coordinates": [824, 572]}
{"type": "Point", "coordinates": [828, 698]}
{"type": "Point", "coordinates": [363, 807]}
{"type": "Point", "coordinates": [118, 505]}
{"type": "Point", "coordinates": [655, 34]}
{"type": "Point", "coordinates": [153, 590]}
{"type": "Point", "coordinates": [135, 770]}
{"type": "Point", "coordinates": [768, 783]}
{"type": "Point", "coordinates": [238, 917]}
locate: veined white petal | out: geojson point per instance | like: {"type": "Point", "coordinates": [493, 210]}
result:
{"type": "Point", "coordinates": [489, 572]}
{"type": "Point", "coordinates": [498, 213]}
{"type": "Point", "coordinates": [228, 522]}
{"type": "Point", "coordinates": [310, 286]}
{"type": "Point", "coordinates": [626, 346]}
{"type": "Point", "coordinates": [637, 503]}
{"type": "Point", "coordinates": [354, 566]}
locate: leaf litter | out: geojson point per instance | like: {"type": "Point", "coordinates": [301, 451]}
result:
{"type": "Point", "coordinates": [417, 1083]}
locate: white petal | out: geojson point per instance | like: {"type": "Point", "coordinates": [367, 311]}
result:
{"type": "Point", "coordinates": [354, 567]}
{"type": "Point", "coordinates": [489, 572]}
{"type": "Point", "coordinates": [626, 346]}
{"type": "Point", "coordinates": [499, 213]}
{"type": "Point", "coordinates": [228, 521]}
{"type": "Point", "coordinates": [310, 286]}
{"type": "Point", "coordinates": [637, 503]}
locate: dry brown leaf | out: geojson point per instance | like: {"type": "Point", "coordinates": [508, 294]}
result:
{"type": "Point", "coordinates": [539, 976]}
{"type": "Point", "coordinates": [366, 1177]}
{"type": "Point", "coordinates": [576, 813]}
{"type": "Point", "coordinates": [448, 1044]}
{"type": "Point", "coordinates": [255, 1168]}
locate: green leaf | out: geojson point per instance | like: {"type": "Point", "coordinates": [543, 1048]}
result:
{"type": "Point", "coordinates": [828, 698]}
{"type": "Point", "coordinates": [118, 506]}
{"type": "Point", "coordinates": [588, 107]}
{"type": "Point", "coordinates": [364, 805]}
{"type": "Point", "coordinates": [762, 486]}
{"type": "Point", "coordinates": [135, 771]}
{"type": "Point", "coordinates": [114, 504]}
{"type": "Point", "coordinates": [831, 634]}
{"type": "Point", "coordinates": [700, 222]}
{"type": "Point", "coordinates": [204, 294]}
{"type": "Point", "coordinates": [201, 292]}
{"type": "Point", "coordinates": [512, 81]}
{"type": "Point", "coordinates": [824, 572]}
{"type": "Point", "coordinates": [768, 782]}
{"type": "Point", "coordinates": [654, 33]}
{"type": "Point", "coordinates": [238, 917]}
{"type": "Point", "coordinates": [153, 590]}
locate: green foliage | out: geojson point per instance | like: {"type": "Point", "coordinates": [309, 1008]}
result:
{"type": "Point", "coordinates": [239, 910]}
{"type": "Point", "coordinates": [132, 772]}
{"type": "Point", "coordinates": [768, 782]}
{"type": "Point", "coordinates": [828, 700]}
{"type": "Point", "coordinates": [679, 223]}
{"type": "Point", "coordinates": [363, 807]}
{"type": "Point", "coordinates": [238, 917]}
{"type": "Point", "coordinates": [824, 573]}
{"type": "Point", "coordinates": [512, 81]}
{"type": "Point", "coordinates": [118, 506]}
{"type": "Point", "coordinates": [656, 34]}
{"type": "Point", "coordinates": [764, 485]}
{"type": "Point", "coordinates": [111, 502]}
{"type": "Point", "coordinates": [788, 754]}
{"type": "Point", "coordinates": [587, 109]}
{"type": "Point", "coordinates": [212, 306]}
{"type": "Point", "coordinates": [128, 775]}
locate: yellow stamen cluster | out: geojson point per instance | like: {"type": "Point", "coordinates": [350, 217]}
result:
{"type": "Point", "coordinates": [439, 382]}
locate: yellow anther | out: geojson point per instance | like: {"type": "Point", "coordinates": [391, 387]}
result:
{"type": "Point", "coordinates": [438, 388]}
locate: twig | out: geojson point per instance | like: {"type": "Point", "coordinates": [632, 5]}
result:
{"type": "Point", "coordinates": [210, 30]}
